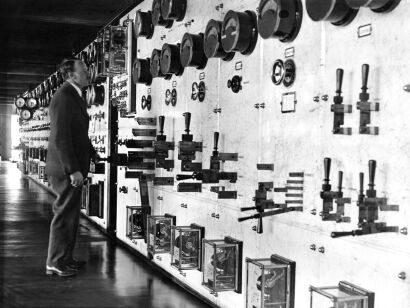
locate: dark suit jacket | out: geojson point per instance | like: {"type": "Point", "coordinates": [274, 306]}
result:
{"type": "Point", "coordinates": [69, 148]}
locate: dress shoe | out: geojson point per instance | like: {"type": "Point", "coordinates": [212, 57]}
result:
{"type": "Point", "coordinates": [63, 271]}
{"type": "Point", "coordinates": [76, 264]}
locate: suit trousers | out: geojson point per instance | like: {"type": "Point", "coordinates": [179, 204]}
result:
{"type": "Point", "coordinates": [64, 225]}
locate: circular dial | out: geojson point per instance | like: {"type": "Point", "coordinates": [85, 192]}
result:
{"type": "Point", "coordinates": [26, 114]}
{"type": "Point", "coordinates": [192, 51]}
{"type": "Point", "coordinates": [278, 71]}
{"type": "Point", "coordinates": [143, 24]}
{"type": "Point", "coordinates": [239, 32]}
{"type": "Point", "coordinates": [31, 103]}
{"type": "Point", "coordinates": [173, 9]}
{"type": "Point", "coordinates": [336, 11]}
{"type": "Point", "coordinates": [20, 102]}
{"type": "Point", "coordinates": [290, 73]}
{"type": "Point", "coordinates": [212, 42]}
{"type": "Point", "coordinates": [157, 19]}
{"type": "Point", "coordinates": [155, 65]}
{"type": "Point", "coordinates": [280, 19]}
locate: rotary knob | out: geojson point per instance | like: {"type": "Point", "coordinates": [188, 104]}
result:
{"type": "Point", "coordinates": [192, 51]}
{"type": "Point", "coordinates": [239, 32]}
{"type": "Point", "coordinates": [141, 71]}
{"type": "Point", "coordinates": [212, 42]}
{"type": "Point", "coordinates": [157, 18]}
{"type": "Point", "coordinates": [173, 9]}
{"type": "Point", "coordinates": [143, 24]}
{"type": "Point", "coordinates": [155, 65]}
{"type": "Point", "coordinates": [338, 12]}
{"type": "Point", "coordinates": [170, 60]}
{"type": "Point", "coordinates": [280, 19]}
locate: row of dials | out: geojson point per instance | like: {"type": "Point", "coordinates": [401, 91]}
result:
{"type": "Point", "coordinates": [276, 18]}
{"type": "Point", "coordinates": [238, 32]}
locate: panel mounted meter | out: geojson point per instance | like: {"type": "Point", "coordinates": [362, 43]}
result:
{"type": "Point", "coordinates": [157, 18]}
{"type": "Point", "coordinates": [239, 32]}
{"type": "Point", "coordinates": [338, 12]}
{"type": "Point", "coordinates": [173, 9]}
{"type": "Point", "coordinates": [270, 282]}
{"type": "Point", "coordinates": [155, 65]}
{"type": "Point", "coordinates": [192, 51]}
{"type": "Point", "coordinates": [141, 71]}
{"type": "Point", "coordinates": [212, 42]}
{"type": "Point", "coordinates": [171, 60]}
{"type": "Point", "coordinates": [143, 24]}
{"type": "Point", "coordinates": [280, 19]}
{"type": "Point", "coordinates": [344, 295]}
{"type": "Point", "coordinates": [222, 265]}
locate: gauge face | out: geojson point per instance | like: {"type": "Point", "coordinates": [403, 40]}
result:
{"type": "Point", "coordinates": [212, 38]}
{"type": "Point", "coordinates": [155, 63]}
{"type": "Point", "coordinates": [31, 103]}
{"type": "Point", "coordinates": [25, 114]}
{"type": "Point", "coordinates": [20, 102]}
{"type": "Point", "coordinates": [165, 60]}
{"type": "Point", "coordinates": [186, 50]}
{"type": "Point", "coordinates": [230, 34]}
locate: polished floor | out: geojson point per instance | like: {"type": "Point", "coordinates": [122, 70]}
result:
{"type": "Point", "coordinates": [113, 278]}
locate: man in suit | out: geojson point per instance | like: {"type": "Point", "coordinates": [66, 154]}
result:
{"type": "Point", "coordinates": [68, 160]}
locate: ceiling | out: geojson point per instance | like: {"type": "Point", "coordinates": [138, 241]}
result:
{"type": "Point", "coordinates": [36, 35]}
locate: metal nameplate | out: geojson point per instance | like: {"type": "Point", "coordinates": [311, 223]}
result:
{"type": "Point", "coordinates": [264, 167]}
{"type": "Point", "coordinates": [364, 30]}
{"type": "Point", "coordinates": [238, 65]}
{"type": "Point", "coordinates": [296, 174]}
{"type": "Point", "coordinates": [189, 187]}
{"type": "Point", "coordinates": [202, 76]}
{"type": "Point", "coordinates": [144, 132]}
{"type": "Point", "coordinates": [227, 194]}
{"type": "Point", "coordinates": [146, 121]}
{"type": "Point", "coordinates": [289, 52]}
{"type": "Point", "coordinates": [228, 156]}
{"type": "Point", "coordinates": [288, 103]}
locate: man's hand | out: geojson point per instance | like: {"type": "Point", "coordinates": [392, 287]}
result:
{"type": "Point", "coordinates": [76, 179]}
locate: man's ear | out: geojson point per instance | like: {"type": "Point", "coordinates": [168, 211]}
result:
{"type": "Point", "coordinates": [70, 75]}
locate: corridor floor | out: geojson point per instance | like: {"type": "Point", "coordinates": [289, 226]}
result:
{"type": "Point", "coordinates": [113, 277]}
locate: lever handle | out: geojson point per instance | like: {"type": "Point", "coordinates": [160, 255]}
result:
{"type": "Point", "coordinates": [259, 226]}
{"type": "Point", "coordinates": [337, 234]}
{"type": "Point", "coordinates": [339, 186]}
{"type": "Point", "coordinates": [248, 217]}
{"type": "Point", "coordinates": [181, 177]}
{"type": "Point", "coordinates": [161, 120]}
{"type": "Point", "coordinates": [187, 116]}
{"type": "Point", "coordinates": [216, 139]}
{"type": "Point", "coordinates": [250, 208]}
{"type": "Point", "coordinates": [327, 162]}
{"type": "Point", "coordinates": [365, 76]}
{"type": "Point", "coordinates": [339, 81]}
{"type": "Point", "coordinates": [361, 181]}
{"type": "Point", "coordinates": [372, 173]}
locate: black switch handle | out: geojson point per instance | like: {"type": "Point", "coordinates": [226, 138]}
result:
{"type": "Point", "coordinates": [342, 233]}
{"type": "Point", "coordinates": [161, 124]}
{"type": "Point", "coordinates": [327, 162]}
{"type": "Point", "coordinates": [181, 177]}
{"type": "Point", "coordinates": [187, 116]}
{"type": "Point", "coordinates": [361, 183]}
{"type": "Point", "coordinates": [248, 217]}
{"type": "Point", "coordinates": [259, 226]}
{"type": "Point", "coordinates": [250, 208]}
{"type": "Point", "coordinates": [216, 139]}
{"type": "Point", "coordinates": [372, 173]}
{"type": "Point", "coordinates": [339, 81]}
{"type": "Point", "coordinates": [365, 76]}
{"type": "Point", "coordinates": [339, 186]}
